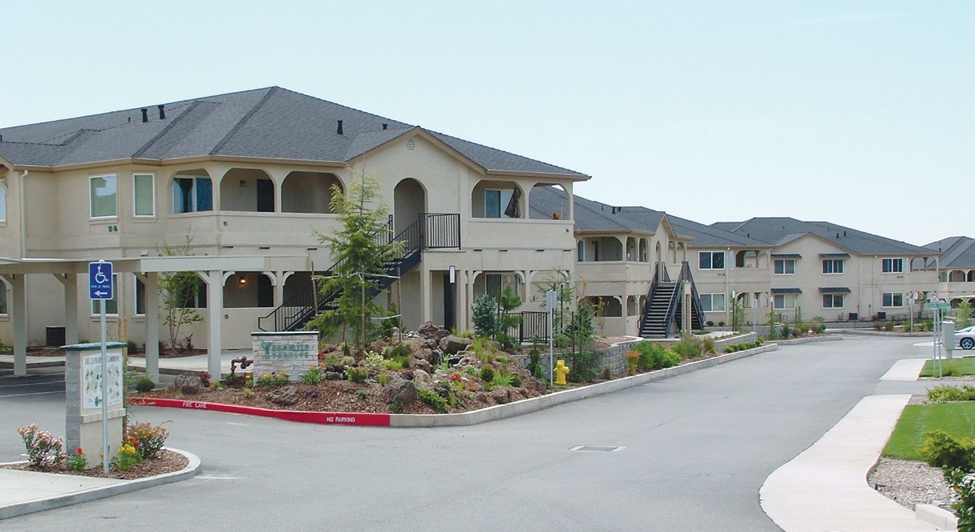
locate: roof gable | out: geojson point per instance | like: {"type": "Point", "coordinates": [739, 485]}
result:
{"type": "Point", "coordinates": [778, 231]}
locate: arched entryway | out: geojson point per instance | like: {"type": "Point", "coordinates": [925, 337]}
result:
{"type": "Point", "coordinates": [409, 201]}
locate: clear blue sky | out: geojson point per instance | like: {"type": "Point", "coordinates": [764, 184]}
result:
{"type": "Point", "coordinates": [860, 113]}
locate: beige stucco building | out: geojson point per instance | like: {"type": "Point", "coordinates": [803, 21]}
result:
{"type": "Point", "coordinates": [246, 179]}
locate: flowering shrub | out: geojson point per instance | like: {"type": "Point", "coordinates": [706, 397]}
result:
{"type": "Point", "coordinates": [43, 450]}
{"type": "Point", "coordinates": [147, 439]}
{"type": "Point", "coordinates": [127, 457]}
{"type": "Point", "coordinates": [272, 379]}
{"type": "Point", "coordinates": [78, 462]}
{"type": "Point", "coordinates": [314, 376]}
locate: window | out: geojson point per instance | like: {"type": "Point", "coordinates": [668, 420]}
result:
{"type": "Point", "coordinates": [102, 192]}
{"type": "Point", "coordinates": [140, 297]}
{"type": "Point", "coordinates": [784, 267]}
{"type": "Point", "coordinates": [832, 266]}
{"type": "Point", "coordinates": [3, 202]}
{"type": "Point", "coordinates": [892, 265]}
{"type": "Point", "coordinates": [192, 194]}
{"type": "Point", "coordinates": [784, 301]}
{"type": "Point", "coordinates": [711, 260]}
{"type": "Point", "coordinates": [581, 249]}
{"type": "Point", "coordinates": [712, 302]}
{"type": "Point", "coordinates": [3, 298]}
{"type": "Point", "coordinates": [494, 283]}
{"type": "Point", "coordinates": [832, 300]}
{"type": "Point", "coordinates": [144, 194]}
{"type": "Point", "coordinates": [892, 299]}
{"type": "Point", "coordinates": [111, 305]}
{"type": "Point", "coordinates": [496, 203]}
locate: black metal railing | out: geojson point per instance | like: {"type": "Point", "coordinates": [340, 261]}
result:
{"type": "Point", "coordinates": [429, 231]}
{"type": "Point", "coordinates": [533, 326]}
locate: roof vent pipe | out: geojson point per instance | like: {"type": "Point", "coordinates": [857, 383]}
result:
{"type": "Point", "coordinates": [385, 126]}
{"type": "Point", "coordinates": [844, 233]}
{"type": "Point", "coordinates": [837, 235]}
{"type": "Point", "coordinates": [339, 130]}
{"type": "Point", "coordinates": [162, 112]}
{"type": "Point", "coordinates": [145, 115]}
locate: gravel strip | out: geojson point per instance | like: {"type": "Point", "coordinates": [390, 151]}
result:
{"type": "Point", "coordinates": [910, 483]}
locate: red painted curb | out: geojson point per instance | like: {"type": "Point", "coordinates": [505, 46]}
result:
{"type": "Point", "coordinates": [324, 418]}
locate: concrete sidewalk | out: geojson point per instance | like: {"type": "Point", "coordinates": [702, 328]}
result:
{"type": "Point", "coordinates": [24, 492]}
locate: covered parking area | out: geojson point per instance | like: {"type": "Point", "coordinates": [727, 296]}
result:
{"type": "Point", "coordinates": [213, 270]}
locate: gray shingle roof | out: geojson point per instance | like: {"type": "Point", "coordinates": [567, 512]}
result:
{"type": "Point", "coordinates": [264, 123]}
{"type": "Point", "coordinates": [956, 251]}
{"type": "Point", "coordinates": [779, 231]}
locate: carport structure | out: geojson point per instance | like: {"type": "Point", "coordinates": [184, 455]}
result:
{"type": "Point", "coordinates": [213, 270]}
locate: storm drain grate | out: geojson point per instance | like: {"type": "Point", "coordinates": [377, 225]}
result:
{"type": "Point", "coordinates": [596, 448]}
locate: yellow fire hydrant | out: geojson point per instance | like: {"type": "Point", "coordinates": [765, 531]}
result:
{"type": "Point", "coordinates": [560, 372]}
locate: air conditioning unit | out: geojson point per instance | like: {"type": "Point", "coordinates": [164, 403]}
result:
{"type": "Point", "coordinates": [853, 316]}
{"type": "Point", "coordinates": [881, 315]}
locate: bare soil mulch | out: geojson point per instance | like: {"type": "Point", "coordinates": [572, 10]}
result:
{"type": "Point", "coordinates": [167, 462]}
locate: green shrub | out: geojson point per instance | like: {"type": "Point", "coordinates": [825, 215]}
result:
{"type": "Point", "coordinates": [941, 450]}
{"type": "Point", "coordinates": [144, 385]}
{"type": "Point", "coordinates": [786, 331]}
{"type": "Point", "coordinates": [653, 356]}
{"type": "Point", "coordinates": [584, 366]}
{"type": "Point", "coordinates": [394, 365]}
{"type": "Point", "coordinates": [759, 341]}
{"type": "Point", "coordinates": [357, 374]}
{"type": "Point", "coordinates": [731, 349]}
{"type": "Point", "coordinates": [516, 380]}
{"type": "Point", "coordinates": [501, 380]}
{"type": "Point", "coordinates": [130, 347]}
{"type": "Point", "coordinates": [314, 376]}
{"type": "Point", "coordinates": [401, 350]}
{"type": "Point", "coordinates": [707, 345]}
{"type": "Point", "coordinates": [486, 374]}
{"type": "Point", "coordinates": [689, 347]}
{"type": "Point", "coordinates": [889, 325]}
{"type": "Point", "coordinates": [432, 399]}
{"type": "Point", "coordinates": [382, 378]}
{"type": "Point", "coordinates": [946, 394]}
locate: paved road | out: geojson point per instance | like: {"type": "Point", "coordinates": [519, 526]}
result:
{"type": "Point", "coordinates": [696, 450]}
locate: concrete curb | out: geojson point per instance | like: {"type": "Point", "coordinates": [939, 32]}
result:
{"type": "Point", "coordinates": [539, 403]}
{"type": "Point", "coordinates": [941, 519]}
{"type": "Point", "coordinates": [809, 340]}
{"type": "Point", "coordinates": [870, 332]}
{"type": "Point", "coordinates": [103, 492]}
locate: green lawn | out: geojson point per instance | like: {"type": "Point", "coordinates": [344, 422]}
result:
{"type": "Point", "coordinates": [955, 366]}
{"type": "Point", "coordinates": [957, 419]}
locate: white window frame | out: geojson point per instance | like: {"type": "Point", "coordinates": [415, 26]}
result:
{"type": "Point", "coordinates": [711, 298]}
{"type": "Point", "coordinates": [711, 255]}
{"type": "Point", "coordinates": [892, 300]}
{"type": "Point", "coordinates": [91, 197]}
{"type": "Point", "coordinates": [887, 265]}
{"type": "Point", "coordinates": [194, 194]}
{"type": "Point", "coordinates": [581, 251]}
{"type": "Point", "coordinates": [833, 270]}
{"type": "Point", "coordinates": [115, 298]}
{"type": "Point", "coordinates": [504, 196]}
{"type": "Point", "coordinates": [832, 300]}
{"type": "Point", "coordinates": [786, 298]}
{"type": "Point", "coordinates": [135, 197]}
{"type": "Point", "coordinates": [784, 271]}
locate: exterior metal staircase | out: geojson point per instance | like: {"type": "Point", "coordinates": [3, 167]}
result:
{"type": "Point", "coordinates": [429, 231]}
{"type": "Point", "coordinates": [664, 305]}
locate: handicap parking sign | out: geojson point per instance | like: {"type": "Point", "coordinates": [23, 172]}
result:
{"type": "Point", "coordinates": [100, 280]}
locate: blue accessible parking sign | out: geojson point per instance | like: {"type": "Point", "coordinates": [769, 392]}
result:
{"type": "Point", "coordinates": [100, 280]}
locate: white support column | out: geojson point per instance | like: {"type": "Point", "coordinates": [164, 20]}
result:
{"type": "Point", "coordinates": [214, 280]}
{"type": "Point", "coordinates": [426, 298]}
{"type": "Point", "coordinates": [151, 281]}
{"type": "Point", "coordinates": [460, 292]}
{"type": "Point", "coordinates": [18, 283]}
{"type": "Point", "coordinates": [70, 283]}
{"type": "Point", "coordinates": [279, 289]}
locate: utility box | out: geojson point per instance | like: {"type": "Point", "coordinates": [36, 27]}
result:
{"type": "Point", "coordinates": [54, 337]}
{"type": "Point", "coordinates": [948, 340]}
{"type": "Point", "coordinates": [83, 385]}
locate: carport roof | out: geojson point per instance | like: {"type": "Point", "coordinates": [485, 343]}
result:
{"type": "Point", "coordinates": [156, 264]}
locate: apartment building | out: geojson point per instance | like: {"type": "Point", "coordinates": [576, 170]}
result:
{"type": "Point", "coordinates": [243, 182]}
{"type": "Point", "coordinates": [838, 273]}
{"type": "Point", "coordinates": [956, 268]}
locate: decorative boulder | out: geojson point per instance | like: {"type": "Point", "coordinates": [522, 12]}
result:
{"type": "Point", "coordinates": [423, 365]}
{"type": "Point", "coordinates": [500, 395]}
{"type": "Point", "coordinates": [285, 395]}
{"type": "Point", "coordinates": [421, 376]}
{"type": "Point", "coordinates": [453, 344]}
{"type": "Point", "coordinates": [398, 389]}
{"type": "Point", "coordinates": [188, 384]}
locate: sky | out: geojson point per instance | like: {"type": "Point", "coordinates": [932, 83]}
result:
{"type": "Point", "coordinates": [855, 112]}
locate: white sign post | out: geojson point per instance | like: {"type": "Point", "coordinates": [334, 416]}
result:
{"type": "Point", "coordinates": [101, 289]}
